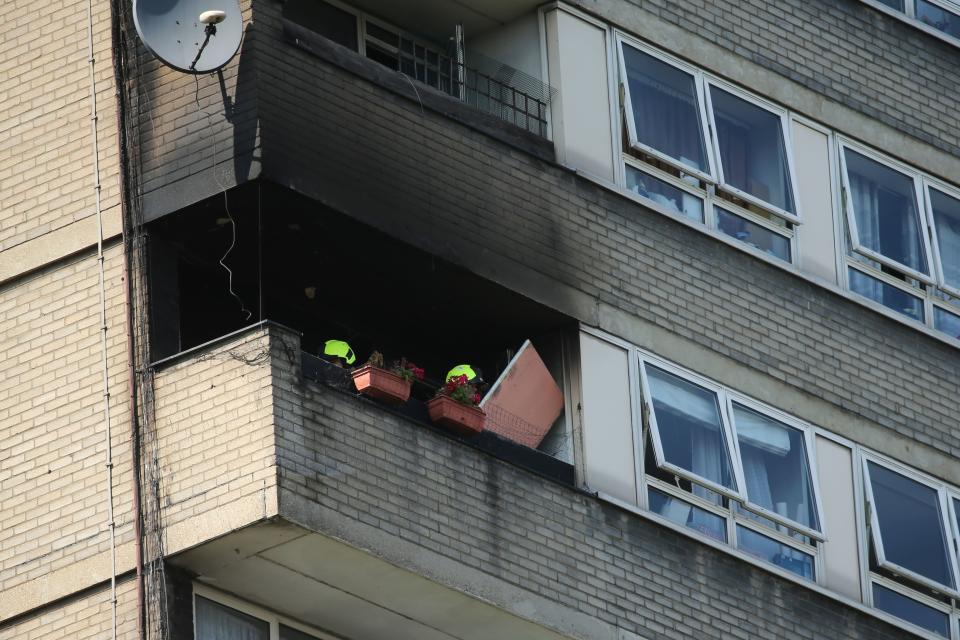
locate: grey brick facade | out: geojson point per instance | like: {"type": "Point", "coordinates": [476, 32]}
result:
{"type": "Point", "coordinates": [347, 455]}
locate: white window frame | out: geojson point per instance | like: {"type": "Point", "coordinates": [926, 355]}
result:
{"type": "Point", "coordinates": [919, 202]}
{"type": "Point", "coordinates": [809, 445]}
{"type": "Point", "coordinates": [886, 278]}
{"type": "Point", "coordinates": [724, 428]}
{"type": "Point", "coordinates": [789, 234]}
{"type": "Point", "coordinates": [725, 398]}
{"type": "Point", "coordinates": [784, 117]}
{"type": "Point", "coordinates": [274, 620]}
{"type": "Point", "coordinates": [918, 597]}
{"type": "Point", "coordinates": [876, 534]}
{"type": "Point", "coordinates": [710, 175]}
{"type": "Point", "coordinates": [702, 82]}
{"type": "Point", "coordinates": [952, 192]}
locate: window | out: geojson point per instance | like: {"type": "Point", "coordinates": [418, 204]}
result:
{"type": "Point", "coordinates": [218, 616]}
{"type": "Point", "coordinates": [215, 621]}
{"type": "Point", "coordinates": [886, 598]}
{"type": "Point", "coordinates": [664, 110]}
{"type": "Point", "coordinates": [689, 436]}
{"type": "Point", "coordinates": [884, 214]}
{"type": "Point", "coordinates": [944, 207]}
{"type": "Point", "coordinates": [908, 526]}
{"type": "Point", "coordinates": [694, 143]}
{"type": "Point", "coordinates": [752, 150]}
{"type": "Point", "coordinates": [903, 235]}
{"type": "Point", "coordinates": [730, 469]}
{"type": "Point", "coordinates": [912, 522]}
{"type": "Point", "coordinates": [886, 293]}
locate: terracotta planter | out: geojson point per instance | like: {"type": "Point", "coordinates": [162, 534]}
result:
{"type": "Point", "coordinates": [381, 384]}
{"type": "Point", "coordinates": [459, 418]}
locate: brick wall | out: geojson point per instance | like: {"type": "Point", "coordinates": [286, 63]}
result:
{"type": "Point", "coordinates": [88, 617]}
{"type": "Point", "coordinates": [46, 165]}
{"type": "Point", "coordinates": [52, 432]}
{"type": "Point", "coordinates": [373, 468]}
{"type": "Point", "coordinates": [214, 422]}
{"type": "Point", "coordinates": [538, 229]}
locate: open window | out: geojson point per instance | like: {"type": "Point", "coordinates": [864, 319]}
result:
{"type": "Point", "coordinates": [751, 145]}
{"type": "Point", "coordinates": [943, 203]}
{"type": "Point", "coordinates": [909, 527]}
{"type": "Point", "coordinates": [730, 468]}
{"type": "Point", "coordinates": [708, 152]}
{"type": "Point", "coordinates": [884, 214]}
{"type": "Point", "coordinates": [912, 522]}
{"type": "Point", "coordinates": [689, 435]}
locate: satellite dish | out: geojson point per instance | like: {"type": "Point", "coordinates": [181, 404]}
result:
{"type": "Point", "coordinates": [196, 36]}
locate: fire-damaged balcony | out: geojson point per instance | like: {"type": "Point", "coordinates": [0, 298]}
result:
{"type": "Point", "coordinates": [261, 252]}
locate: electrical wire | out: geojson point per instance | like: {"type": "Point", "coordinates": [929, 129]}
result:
{"type": "Point", "coordinates": [226, 206]}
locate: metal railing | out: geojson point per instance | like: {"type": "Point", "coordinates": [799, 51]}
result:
{"type": "Point", "coordinates": [489, 85]}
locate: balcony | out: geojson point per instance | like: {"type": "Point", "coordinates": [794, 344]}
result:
{"type": "Point", "coordinates": [452, 50]}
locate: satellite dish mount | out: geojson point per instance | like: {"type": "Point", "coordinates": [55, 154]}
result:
{"type": "Point", "coordinates": [211, 19]}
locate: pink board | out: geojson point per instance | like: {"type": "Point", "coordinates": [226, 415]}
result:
{"type": "Point", "coordinates": [525, 401]}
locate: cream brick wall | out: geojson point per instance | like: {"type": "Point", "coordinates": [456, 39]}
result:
{"type": "Point", "coordinates": [215, 435]}
{"type": "Point", "coordinates": [53, 509]}
{"type": "Point", "coordinates": [46, 166]}
{"type": "Point", "coordinates": [86, 618]}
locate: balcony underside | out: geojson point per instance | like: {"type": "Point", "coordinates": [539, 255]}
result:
{"type": "Point", "coordinates": [338, 588]}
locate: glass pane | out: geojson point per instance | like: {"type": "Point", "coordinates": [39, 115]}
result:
{"type": "Point", "coordinates": [911, 526]}
{"type": "Point", "coordinates": [775, 466]}
{"type": "Point", "coordinates": [688, 423]}
{"type": "Point", "coordinates": [938, 18]}
{"type": "Point", "coordinates": [666, 114]}
{"type": "Point", "coordinates": [684, 513]}
{"type": "Point", "coordinates": [910, 610]}
{"type": "Point", "coordinates": [946, 216]}
{"type": "Point", "coordinates": [217, 622]}
{"type": "Point", "coordinates": [886, 294]}
{"type": "Point", "coordinates": [287, 633]}
{"type": "Point", "coordinates": [665, 194]}
{"type": "Point", "coordinates": [893, 4]}
{"type": "Point", "coordinates": [782, 555]}
{"type": "Point", "coordinates": [947, 322]}
{"type": "Point", "coordinates": [752, 150]}
{"type": "Point", "coordinates": [753, 234]}
{"type": "Point", "coordinates": [885, 209]}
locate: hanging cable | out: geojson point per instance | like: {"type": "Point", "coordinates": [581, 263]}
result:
{"type": "Point", "coordinates": [226, 206]}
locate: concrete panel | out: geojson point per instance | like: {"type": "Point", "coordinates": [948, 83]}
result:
{"type": "Point", "coordinates": [816, 237]}
{"type": "Point", "coordinates": [608, 448]}
{"type": "Point", "coordinates": [577, 62]}
{"type": "Point", "coordinates": [841, 555]}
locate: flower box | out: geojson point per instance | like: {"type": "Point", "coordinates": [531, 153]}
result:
{"type": "Point", "coordinates": [460, 418]}
{"type": "Point", "coordinates": [381, 385]}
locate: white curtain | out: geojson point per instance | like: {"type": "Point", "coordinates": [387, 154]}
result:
{"type": "Point", "coordinates": [900, 221]}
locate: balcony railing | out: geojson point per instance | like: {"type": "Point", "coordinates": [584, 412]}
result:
{"type": "Point", "coordinates": [482, 82]}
